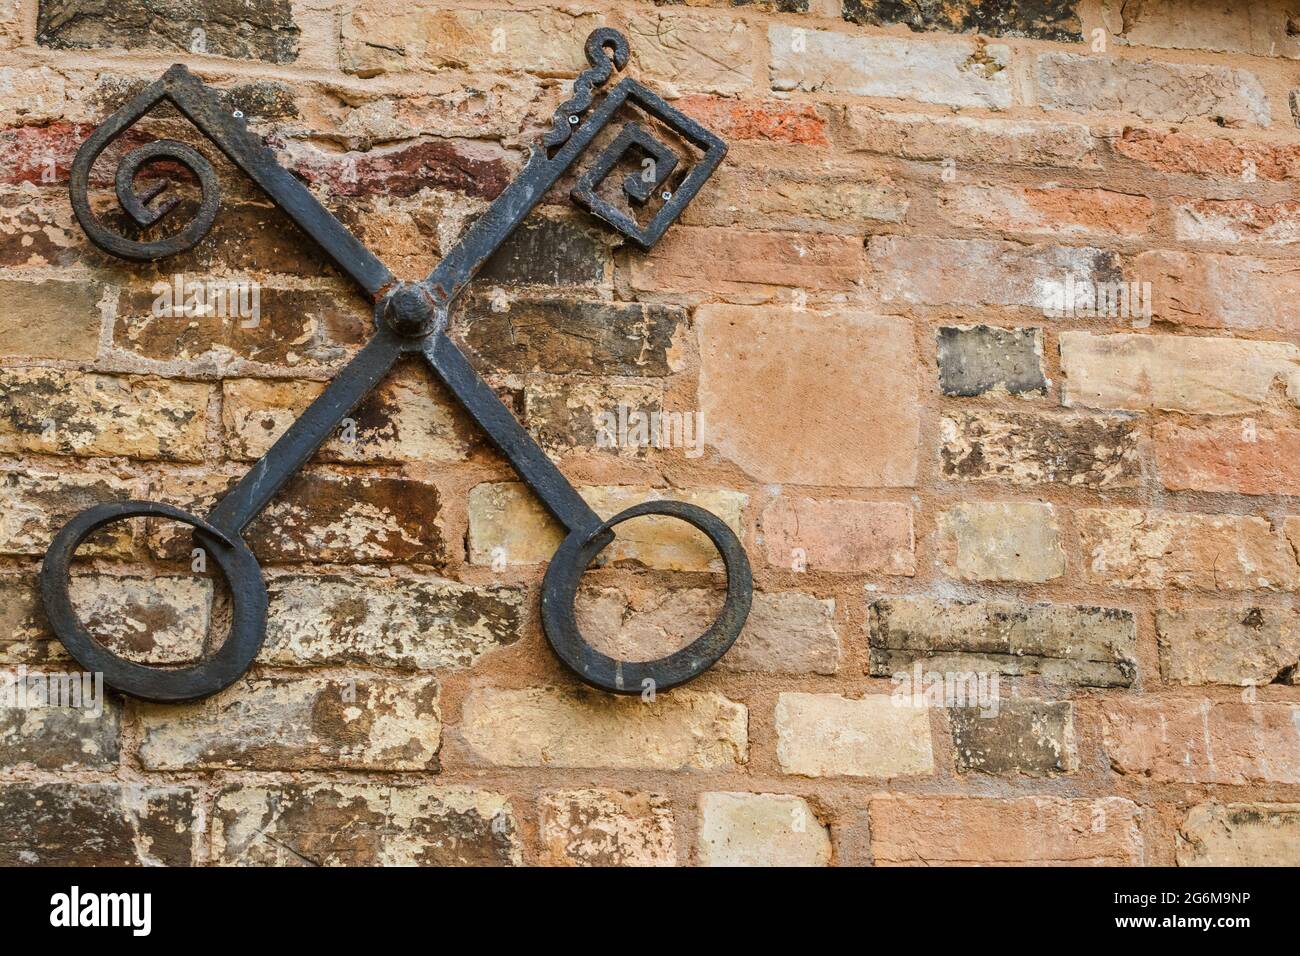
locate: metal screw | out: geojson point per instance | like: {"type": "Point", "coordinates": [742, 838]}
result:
{"type": "Point", "coordinates": [665, 195]}
{"type": "Point", "coordinates": [573, 120]}
{"type": "Point", "coordinates": [238, 114]}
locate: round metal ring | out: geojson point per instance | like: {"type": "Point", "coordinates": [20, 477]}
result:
{"type": "Point", "coordinates": [247, 594]}
{"type": "Point", "coordinates": [560, 588]}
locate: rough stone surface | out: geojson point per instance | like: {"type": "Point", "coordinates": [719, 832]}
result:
{"type": "Point", "coordinates": [1240, 221]}
{"type": "Point", "coordinates": [363, 824]}
{"type": "Point", "coordinates": [1240, 834]}
{"type": "Point", "coordinates": [70, 413]}
{"type": "Point", "coordinates": [1178, 151]}
{"type": "Point", "coordinates": [1239, 645]}
{"type": "Point", "coordinates": [586, 338]}
{"type": "Point", "coordinates": [951, 73]}
{"type": "Point", "coordinates": [760, 829]}
{"type": "Point", "coordinates": [1038, 831]}
{"type": "Point", "coordinates": [1163, 92]}
{"type": "Point", "coordinates": [1201, 741]}
{"type": "Point", "coordinates": [787, 632]}
{"type": "Point", "coordinates": [1087, 646]}
{"type": "Point", "coordinates": [322, 517]}
{"type": "Point", "coordinates": [39, 503]}
{"type": "Point", "coordinates": [293, 327]}
{"type": "Point", "coordinates": [606, 828]}
{"type": "Point", "coordinates": [964, 139]}
{"type": "Point", "coordinates": [420, 623]}
{"type": "Point", "coordinates": [549, 252]}
{"type": "Point", "coordinates": [828, 199]}
{"type": "Point", "coordinates": [260, 30]}
{"type": "Point", "coordinates": [1031, 448]}
{"type": "Point", "coordinates": [908, 270]}
{"type": "Point", "coordinates": [1030, 737]}
{"type": "Point", "coordinates": [157, 620]}
{"type": "Point", "coordinates": [977, 359]}
{"type": "Point", "coordinates": [96, 824]}
{"type": "Point", "coordinates": [1263, 28]}
{"type": "Point", "coordinates": [50, 319]}
{"type": "Point", "coordinates": [1151, 550]}
{"type": "Point", "coordinates": [1205, 376]}
{"type": "Point", "coordinates": [1208, 290]}
{"type": "Point", "coordinates": [57, 720]}
{"type": "Point", "coordinates": [508, 524]}
{"type": "Point", "coordinates": [1001, 541]}
{"type": "Point", "coordinates": [665, 47]}
{"type": "Point", "coordinates": [840, 536]}
{"type": "Point", "coordinates": [573, 415]}
{"type": "Point", "coordinates": [840, 381]}
{"type": "Point", "coordinates": [1240, 456]}
{"type": "Point", "coordinates": [406, 169]}
{"type": "Point", "coordinates": [549, 727]}
{"type": "Point", "coordinates": [1048, 211]}
{"type": "Point", "coordinates": [403, 420]}
{"type": "Point", "coordinates": [299, 723]}
{"type": "Point", "coordinates": [376, 39]}
{"type": "Point", "coordinates": [827, 735]}
{"type": "Point", "coordinates": [731, 262]}
{"type": "Point", "coordinates": [1039, 19]}
{"type": "Point", "coordinates": [763, 121]}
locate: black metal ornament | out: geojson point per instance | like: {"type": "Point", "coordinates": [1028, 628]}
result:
{"type": "Point", "coordinates": [410, 317]}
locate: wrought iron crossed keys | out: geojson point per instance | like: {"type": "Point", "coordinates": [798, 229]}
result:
{"type": "Point", "coordinates": [409, 317]}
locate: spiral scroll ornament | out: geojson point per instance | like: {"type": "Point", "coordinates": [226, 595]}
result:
{"type": "Point", "coordinates": [136, 204]}
{"type": "Point", "coordinates": [606, 49]}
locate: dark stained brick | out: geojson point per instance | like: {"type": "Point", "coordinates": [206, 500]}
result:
{"type": "Point", "coordinates": [1088, 646]}
{"type": "Point", "coordinates": [1040, 19]}
{"type": "Point", "coordinates": [405, 170]}
{"type": "Point", "coordinates": [244, 29]}
{"type": "Point", "coordinates": [1030, 737]}
{"type": "Point", "coordinates": [57, 736]}
{"type": "Point", "coordinates": [1030, 448]}
{"type": "Point", "coordinates": [980, 358]}
{"type": "Point", "coordinates": [776, 6]}
{"type": "Point", "coordinates": [347, 824]}
{"type": "Point", "coordinates": [590, 338]}
{"type": "Point", "coordinates": [548, 252]}
{"type": "Point", "coordinates": [320, 517]}
{"type": "Point", "coordinates": [259, 100]}
{"type": "Point", "coordinates": [293, 327]}
{"type": "Point", "coordinates": [96, 824]}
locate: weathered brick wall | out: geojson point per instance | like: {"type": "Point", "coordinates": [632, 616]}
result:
{"type": "Point", "coordinates": [928, 464]}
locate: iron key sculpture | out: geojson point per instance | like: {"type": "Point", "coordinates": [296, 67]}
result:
{"type": "Point", "coordinates": [410, 317]}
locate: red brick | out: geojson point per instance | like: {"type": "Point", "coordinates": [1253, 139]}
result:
{"type": "Point", "coordinates": [405, 169]}
{"type": "Point", "coordinates": [839, 536]}
{"type": "Point", "coordinates": [844, 382]}
{"type": "Point", "coordinates": [967, 831]}
{"type": "Point", "coordinates": [1237, 220]}
{"type": "Point", "coordinates": [1206, 290]}
{"type": "Point", "coordinates": [1200, 741]}
{"type": "Point", "coordinates": [768, 121]}
{"type": "Point", "coordinates": [1175, 151]}
{"type": "Point", "coordinates": [1052, 211]}
{"type": "Point", "coordinates": [1239, 456]}
{"type": "Point", "coordinates": [691, 259]}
